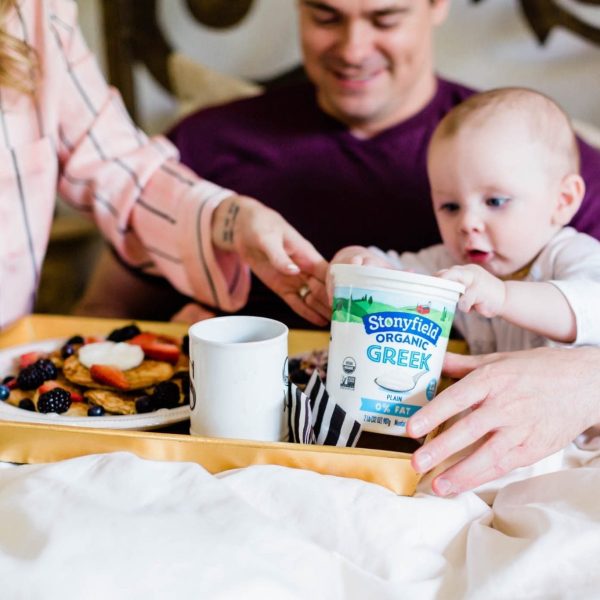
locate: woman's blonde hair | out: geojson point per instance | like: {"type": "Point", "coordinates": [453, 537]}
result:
{"type": "Point", "coordinates": [18, 60]}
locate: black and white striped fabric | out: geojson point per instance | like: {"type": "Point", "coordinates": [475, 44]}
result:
{"type": "Point", "coordinates": [315, 418]}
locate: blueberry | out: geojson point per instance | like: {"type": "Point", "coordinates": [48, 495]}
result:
{"type": "Point", "coordinates": [293, 364]}
{"type": "Point", "coordinates": [299, 377]}
{"type": "Point", "coordinates": [145, 404]}
{"type": "Point", "coordinates": [67, 350]}
{"type": "Point", "coordinates": [166, 395]}
{"type": "Point", "coordinates": [76, 339]}
{"type": "Point", "coordinates": [4, 392]}
{"type": "Point", "coordinates": [95, 411]}
{"type": "Point", "coordinates": [124, 333]}
{"type": "Point", "coordinates": [27, 404]}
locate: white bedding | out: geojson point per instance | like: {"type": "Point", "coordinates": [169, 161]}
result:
{"type": "Point", "coordinates": [116, 526]}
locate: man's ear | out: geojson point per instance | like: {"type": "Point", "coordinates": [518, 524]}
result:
{"type": "Point", "coordinates": [439, 9]}
{"type": "Point", "coordinates": [571, 192]}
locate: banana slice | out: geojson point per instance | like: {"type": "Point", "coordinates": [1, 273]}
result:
{"type": "Point", "coordinates": [116, 354]}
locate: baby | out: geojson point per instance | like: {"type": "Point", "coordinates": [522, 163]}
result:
{"type": "Point", "coordinates": [504, 173]}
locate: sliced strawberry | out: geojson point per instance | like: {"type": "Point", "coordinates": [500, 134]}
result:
{"type": "Point", "coordinates": [148, 336]}
{"type": "Point", "coordinates": [51, 384]}
{"type": "Point", "coordinates": [162, 351]}
{"type": "Point", "coordinates": [143, 338]}
{"type": "Point", "coordinates": [92, 339]}
{"type": "Point", "coordinates": [11, 383]}
{"type": "Point", "coordinates": [75, 396]}
{"type": "Point", "coordinates": [108, 375]}
{"type": "Point", "coordinates": [28, 359]}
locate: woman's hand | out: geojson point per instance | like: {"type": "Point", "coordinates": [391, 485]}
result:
{"type": "Point", "coordinates": [520, 407]}
{"type": "Point", "coordinates": [277, 254]}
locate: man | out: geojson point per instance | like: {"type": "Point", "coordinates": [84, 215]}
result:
{"type": "Point", "coordinates": [341, 158]}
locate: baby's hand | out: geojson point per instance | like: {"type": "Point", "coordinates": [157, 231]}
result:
{"type": "Point", "coordinates": [483, 292]}
{"type": "Point", "coordinates": [359, 255]}
{"type": "Point", "coordinates": [355, 255]}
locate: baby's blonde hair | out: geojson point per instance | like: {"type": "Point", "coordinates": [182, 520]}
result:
{"type": "Point", "coordinates": [18, 60]}
{"type": "Point", "coordinates": [540, 116]}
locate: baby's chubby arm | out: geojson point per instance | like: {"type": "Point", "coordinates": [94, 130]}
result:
{"type": "Point", "coordinates": [483, 293]}
{"type": "Point", "coordinates": [537, 306]}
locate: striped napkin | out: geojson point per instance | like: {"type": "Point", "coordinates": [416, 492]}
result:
{"type": "Point", "coordinates": [315, 418]}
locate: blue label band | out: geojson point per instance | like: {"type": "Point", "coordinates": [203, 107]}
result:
{"type": "Point", "coordinates": [388, 408]}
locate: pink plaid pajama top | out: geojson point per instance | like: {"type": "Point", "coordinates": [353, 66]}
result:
{"type": "Point", "coordinates": [74, 138]}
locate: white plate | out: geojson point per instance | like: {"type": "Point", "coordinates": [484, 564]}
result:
{"type": "Point", "coordinates": [8, 412]}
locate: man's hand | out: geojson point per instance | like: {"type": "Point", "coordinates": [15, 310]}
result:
{"type": "Point", "coordinates": [520, 407]}
{"type": "Point", "coordinates": [277, 254]}
{"type": "Point", "coordinates": [483, 292]}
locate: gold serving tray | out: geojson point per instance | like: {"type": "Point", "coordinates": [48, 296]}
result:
{"type": "Point", "coordinates": [35, 443]}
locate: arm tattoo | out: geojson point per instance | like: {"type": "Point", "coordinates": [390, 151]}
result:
{"type": "Point", "coordinates": [232, 214]}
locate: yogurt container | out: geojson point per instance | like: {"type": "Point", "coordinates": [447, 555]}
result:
{"type": "Point", "coordinates": [389, 332]}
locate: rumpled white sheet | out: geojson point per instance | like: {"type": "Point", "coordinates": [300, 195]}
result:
{"type": "Point", "coordinates": [119, 527]}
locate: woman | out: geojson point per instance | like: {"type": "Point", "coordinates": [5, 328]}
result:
{"type": "Point", "coordinates": [63, 130]}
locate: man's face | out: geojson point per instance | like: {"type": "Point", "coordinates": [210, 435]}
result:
{"type": "Point", "coordinates": [371, 60]}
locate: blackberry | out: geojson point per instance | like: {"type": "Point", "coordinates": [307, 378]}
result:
{"type": "Point", "coordinates": [95, 411]}
{"type": "Point", "coordinates": [30, 378]}
{"type": "Point", "coordinates": [185, 345]}
{"type": "Point", "coordinates": [56, 400]}
{"type": "Point", "coordinates": [76, 339]}
{"type": "Point", "coordinates": [47, 367]}
{"type": "Point", "coordinates": [124, 333]}
{"type": "Point", "coordinates": [27, 404]}
{"type": "Point", "coordinates": [145, 404]}
{"type": "Point", "coordinates": [166, 395]}
{"type": "Point", "coordinates": [4, 392]}
{"type": "Point", "coordinates": [67, 350]}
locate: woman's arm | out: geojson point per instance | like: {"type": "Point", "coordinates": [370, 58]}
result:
{"type": "Point", "coordinates": [157, 214]}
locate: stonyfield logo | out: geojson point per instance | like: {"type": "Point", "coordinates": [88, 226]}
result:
{"type": "Point", "coordinates": [400, 322]}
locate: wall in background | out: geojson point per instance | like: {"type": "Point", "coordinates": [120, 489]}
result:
{"type": "Point", "coordinates": [485, 44]}
{"type": "Point", "coordinates": [491, 43]}
{"type": "Point", "coordinates": [262, 45]}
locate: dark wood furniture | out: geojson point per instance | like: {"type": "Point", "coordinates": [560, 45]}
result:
{"type": "Point", "coordinates": [133, 35]}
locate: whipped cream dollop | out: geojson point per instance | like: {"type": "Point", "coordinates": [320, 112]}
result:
{"type": "Point", "coordinates": [115, 354]}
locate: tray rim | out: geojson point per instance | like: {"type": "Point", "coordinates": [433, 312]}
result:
{"type": "Point", "coordinates": [34, 443]}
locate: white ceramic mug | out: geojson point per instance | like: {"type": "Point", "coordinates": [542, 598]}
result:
{"type": "Point", "coordinates": [238, 378]}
